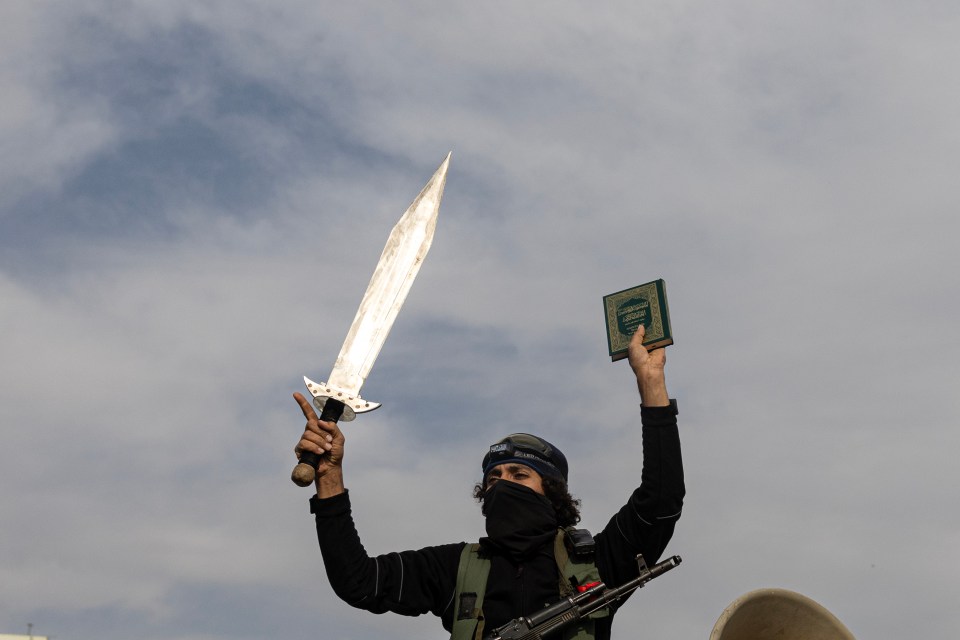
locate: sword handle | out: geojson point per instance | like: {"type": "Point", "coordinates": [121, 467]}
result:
{"type": "Point", "coordinates": [306, 470]}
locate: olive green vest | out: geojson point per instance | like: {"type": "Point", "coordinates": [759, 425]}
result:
{"type": "Point", "coordinates": [472, 584]}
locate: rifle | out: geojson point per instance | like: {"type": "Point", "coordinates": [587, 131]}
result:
{"type": "Point", "coordinates": [569, 610]}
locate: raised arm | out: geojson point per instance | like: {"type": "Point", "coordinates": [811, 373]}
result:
{"type": "Point", "coordinates": [646, 523]}
{"type": "Point", "coordinates": [409, 582]}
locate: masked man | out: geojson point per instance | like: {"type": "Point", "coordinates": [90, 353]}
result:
{"type": "Point", "coordinates": [531, 556]}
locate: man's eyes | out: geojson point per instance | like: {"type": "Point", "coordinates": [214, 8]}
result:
{"type": "Point", "coordinates": [511, 475]}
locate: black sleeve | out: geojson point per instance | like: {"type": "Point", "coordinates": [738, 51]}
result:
{"type": "Point", "coordinates": [645, 524]}
{"type": "Point", "coordinates": [407, 582]}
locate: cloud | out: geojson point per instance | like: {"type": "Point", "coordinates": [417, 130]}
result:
{"type": "Point", "coordinates": [194, 197]}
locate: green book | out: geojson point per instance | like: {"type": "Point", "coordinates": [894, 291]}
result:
{"type": "Point", "coordinates": [626, 310]}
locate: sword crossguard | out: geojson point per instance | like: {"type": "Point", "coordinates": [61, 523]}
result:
{"type": "Point", "coordinates": [352, 403]}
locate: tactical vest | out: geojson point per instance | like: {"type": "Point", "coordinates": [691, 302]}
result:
{"type": "Point", "coordinates": [472, 575]}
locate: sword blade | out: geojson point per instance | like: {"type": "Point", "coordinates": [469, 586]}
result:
{"type": "Point", "coordinates": [398, 267]}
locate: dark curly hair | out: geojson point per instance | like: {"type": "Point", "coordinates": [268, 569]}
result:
{"type": "Point", "coordinates": [556, 491]}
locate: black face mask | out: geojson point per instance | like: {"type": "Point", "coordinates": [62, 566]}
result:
{"type": "Point", "coordinates": [519, 520]}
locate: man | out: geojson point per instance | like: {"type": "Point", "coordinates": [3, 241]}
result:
{"type": "Point", "coordinates": [523, 563]}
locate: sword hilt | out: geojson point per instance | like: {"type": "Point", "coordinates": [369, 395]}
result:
{"type": "Point", "coordinates": [306, 470]}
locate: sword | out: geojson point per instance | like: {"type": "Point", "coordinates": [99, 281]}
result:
{"type": "Point", "coordinates": [338, 398]}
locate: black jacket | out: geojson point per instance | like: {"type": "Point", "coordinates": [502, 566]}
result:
{"type": "Point", "coordinates": [422, 581]}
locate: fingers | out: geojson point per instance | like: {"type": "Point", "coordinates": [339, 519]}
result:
{"type": "Point", "coordinates": [636, 352]}
{"type": "Point", "coordinates": [316, 441]}
{"type": "Point", "coordinates": [314, 423]}
{"type": "Point", "coordinates": [305, 406]}
{"type": "Point", "coordinates": [638, 334]}
{"type": "Point", "coordinates": [636, 342]}
{"type": "Point", "coordinates": [658, 357]}
{"type": "Point", "coordinates": [318, 435]}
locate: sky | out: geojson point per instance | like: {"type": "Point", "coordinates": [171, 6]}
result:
{"type": "Point", "coordinates": [193, 196]}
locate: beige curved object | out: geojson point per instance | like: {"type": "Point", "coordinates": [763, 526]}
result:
{"type": "Point", "coordinates": [777, 614]}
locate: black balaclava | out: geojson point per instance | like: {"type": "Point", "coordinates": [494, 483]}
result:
{"type": "Point", "coordinates": [519, 520]}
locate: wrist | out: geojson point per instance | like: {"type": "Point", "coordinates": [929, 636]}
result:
{"type": "Point", "coordinates": [653, 393]}
{"type": "Point", "coordinates": [655, 400]}
{"type": "Point", "coordinates": [330, 483]}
